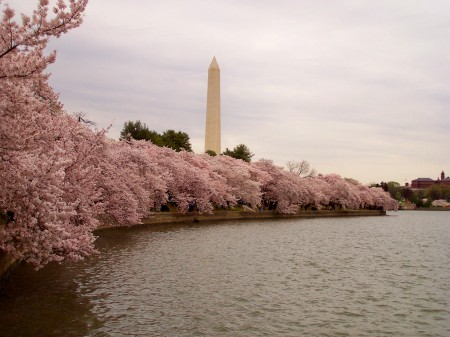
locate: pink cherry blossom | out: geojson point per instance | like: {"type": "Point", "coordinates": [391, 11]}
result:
{"type": "Point", "coordinates": [60, 179]}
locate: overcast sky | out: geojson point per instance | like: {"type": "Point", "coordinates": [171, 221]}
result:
{"type": "Point", "coordinates": [358, 88]}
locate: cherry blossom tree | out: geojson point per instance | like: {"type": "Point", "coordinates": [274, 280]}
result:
{"type": "Point", "coordinates": [282, 190]}
{"type": "Point", "coordinates": [340, 193]}
{"type": "Point", "coordinates": [241, 185]}
{"type": "Point", "coordinates": [191, 181]}
{"type": "Point", "coordinates": [131, 182]}
{"type": "Point", "coordinates": [216, 189]}
{"type": "Point", "coordinates": [51, 189]}
{"type": "Point", "coordinates": [365, 196]}
{"type": "Point", "coordinates": [22, 44]}
{"type": "Point", "coordinates": [47, 158]}
{"type": "Point", "coordinates": [382, 199]}
{"type": "Point", "coordinates": [316, 193]}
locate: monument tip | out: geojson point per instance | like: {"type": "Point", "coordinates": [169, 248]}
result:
{"type": "Point", "coordinates": [214, 64]}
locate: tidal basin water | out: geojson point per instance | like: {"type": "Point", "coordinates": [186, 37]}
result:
{"type": "Point", "coordinates": [367, 276]}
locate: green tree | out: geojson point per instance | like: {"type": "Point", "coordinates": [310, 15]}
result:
{"type": "Point", "coordinates": [421, 200]}
{"type": "Point", "coordinates": [240, 152]}
{"type": "Point", "coordinates": [393, 187]}
{"type": "Point", "coordinates": [176, 140]}
{"type": "Point", "coordinates": [437, 192]}
{"type": "Point", "coordinates": [394, 190]}
{"type": "Point", "coordinates": [408, 194]}
{"type": "Point", "coordinates": [139, 131]}
{"type": "Point", "coordinates": [211, 153]}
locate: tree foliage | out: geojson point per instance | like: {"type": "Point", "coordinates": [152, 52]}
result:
{"type": "Point", "coordinates": [48, 159]}
{"type": "Point", "coordinates": [438, 192]}
{"type": "Point", "coordinates": [421, 198]}
{"type": "Point", "coordinates": [139, 131]}
{"type": "Point", "coordinates": [241, 151]}
{"type": "Point", "coordinates": [177, 140]}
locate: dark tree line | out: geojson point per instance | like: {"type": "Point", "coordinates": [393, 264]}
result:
{"type": "Point", "coordinates": [176, 140]}
{"type": "Point", "coordinates": [422, 198]}
{"type": "Point", "coordinates": [241, 151]}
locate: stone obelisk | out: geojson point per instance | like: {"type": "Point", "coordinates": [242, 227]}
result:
{"type": "Point", "coordinates": [212, 133]}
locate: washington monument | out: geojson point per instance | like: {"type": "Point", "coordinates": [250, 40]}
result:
{"type": "Point", "coordinates": [212, 133]}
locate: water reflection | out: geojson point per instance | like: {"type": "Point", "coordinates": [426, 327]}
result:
{"type": "Point", "coordinates": [318, 277]}
{"type": "Point", "coordinates": [44, 303]}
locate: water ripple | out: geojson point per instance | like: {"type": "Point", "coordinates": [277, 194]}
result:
{"type": "Point", "coordinates": [383, 276]}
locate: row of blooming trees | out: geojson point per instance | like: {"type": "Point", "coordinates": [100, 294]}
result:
{"type": "Point", "coordinates": [59, 179]}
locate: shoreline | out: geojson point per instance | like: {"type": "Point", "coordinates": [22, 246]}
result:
{"type": "Point", "coordinates": [7, 263]}
{"type": "Point", "coordinates": [163, 218]}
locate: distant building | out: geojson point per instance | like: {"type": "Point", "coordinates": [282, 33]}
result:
{"type": "Point", "coordinates": [423, 183]}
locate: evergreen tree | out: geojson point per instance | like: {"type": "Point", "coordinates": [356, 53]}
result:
{"type": "Point", "coordinates": [241, 151]}
{"type": "Point", "coordinates": [139, 131]}
{"type": "Point", "coordinates": [176, 140]}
